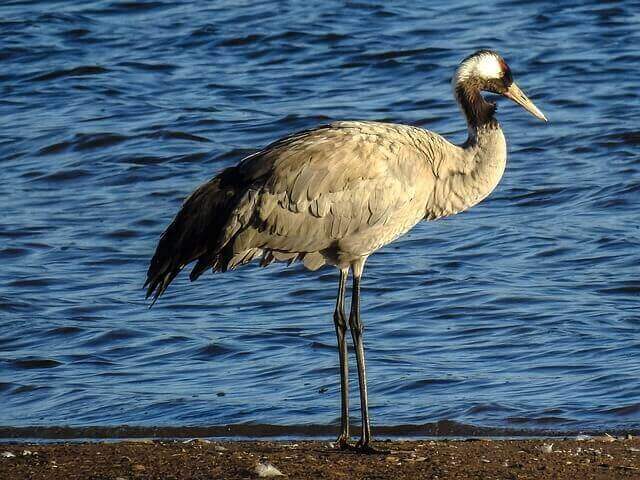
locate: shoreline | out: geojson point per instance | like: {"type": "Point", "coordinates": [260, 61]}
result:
{"type": "Point", "coordinates": [605, 457]}
{"type": "Point", "coordinates": [444, 429]}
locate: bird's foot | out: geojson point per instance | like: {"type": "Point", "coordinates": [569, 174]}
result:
{"type": "Point", "coordinates": [367, 449]}
{"type": "Point", "coordinates": [342, 443]}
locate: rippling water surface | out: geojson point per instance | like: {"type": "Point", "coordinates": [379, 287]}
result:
{"type": "Point", "coordinates": [522, 312]}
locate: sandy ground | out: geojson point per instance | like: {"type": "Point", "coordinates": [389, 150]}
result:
{"type": "Point", "coordinates": [603, 458]}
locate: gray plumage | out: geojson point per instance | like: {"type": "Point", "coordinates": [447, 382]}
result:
{"type": "Point", "coordinates": [337, 193]}
{"type": "Point", "coordinates": [328, 195]}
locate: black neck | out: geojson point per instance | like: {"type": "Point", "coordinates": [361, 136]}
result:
{"type": "Point", "coordinates": [478, 111]}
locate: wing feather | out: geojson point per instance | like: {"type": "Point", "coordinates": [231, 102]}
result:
{"type": "Point", "coordinates": [314, 190]}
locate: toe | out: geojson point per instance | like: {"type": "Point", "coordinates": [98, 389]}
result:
{"type": "Point", "coordinates": [367, 449]}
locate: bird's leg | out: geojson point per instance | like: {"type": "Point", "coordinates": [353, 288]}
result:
{"type": "Point", "coordinates": [357, 328]}
{"type": "Point", "coordinates": [340, 321]}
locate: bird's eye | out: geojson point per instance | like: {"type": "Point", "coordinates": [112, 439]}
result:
{"type": "Point", "coordinates": [495, 85]}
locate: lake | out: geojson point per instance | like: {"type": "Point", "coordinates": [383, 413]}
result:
{"type": "Point", "coordinates": [520, 313]}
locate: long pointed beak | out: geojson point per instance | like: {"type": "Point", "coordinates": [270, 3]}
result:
{"type": "Point", "coordinates": [518, 96]}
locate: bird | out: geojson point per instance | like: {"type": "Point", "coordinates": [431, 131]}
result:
{"type": "Point", "coordinates": [336, 193]}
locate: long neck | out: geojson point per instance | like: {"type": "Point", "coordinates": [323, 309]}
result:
{"type": "Point", "coordinates": [469, 173]}
{"type": "Point", "coordinates": [478, 112]}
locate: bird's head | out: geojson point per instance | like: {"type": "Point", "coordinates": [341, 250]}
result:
{"type": "Point", "coordinates": [487, 71]}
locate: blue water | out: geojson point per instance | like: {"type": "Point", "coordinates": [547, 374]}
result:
{"type": "Point", "coordinates": [522, 312]}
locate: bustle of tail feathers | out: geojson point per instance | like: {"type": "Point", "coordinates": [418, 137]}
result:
{"type": "Point", "coordinates": [194, 233]}
{"type": "Point", "coordinates": [197, 231]}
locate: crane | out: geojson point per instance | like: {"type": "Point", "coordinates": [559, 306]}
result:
{"type": "Point", "coordinates": [335, 194]}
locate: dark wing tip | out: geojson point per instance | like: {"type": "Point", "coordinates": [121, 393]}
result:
{"type": "Point", "coordinates": [194, 232]}
{"type": "Point", "coordinates": [157, 284]}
